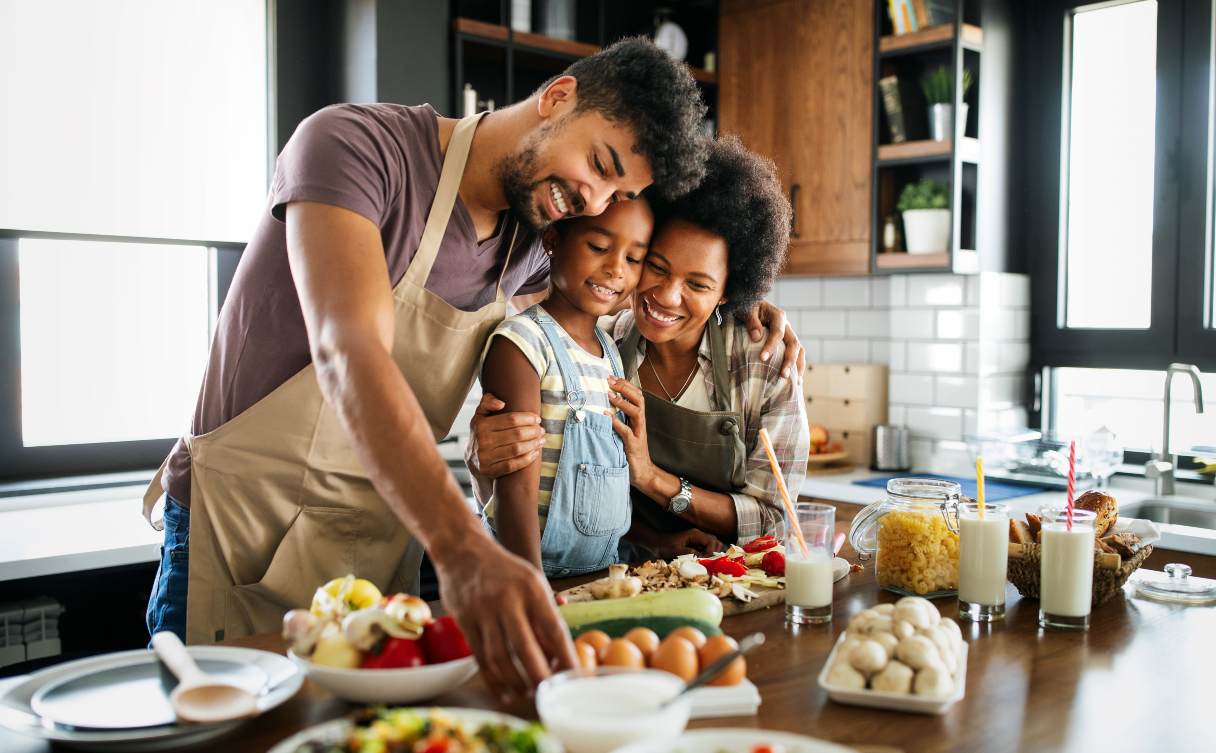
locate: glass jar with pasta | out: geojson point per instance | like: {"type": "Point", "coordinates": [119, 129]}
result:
{"type": "Point", "coordinates": [913, 536]}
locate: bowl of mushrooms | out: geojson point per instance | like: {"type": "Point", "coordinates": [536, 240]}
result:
{"type": "Point", "coordinates": [900, 656]}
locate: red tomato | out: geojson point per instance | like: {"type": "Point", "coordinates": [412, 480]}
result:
{"type": "Point", "coordinates": [394, 653]}
{"type": "Point", "coordinates": [773, 563]}
{"type": "Point", "coordinates": [760, 544]}
{"type": "Point", "coordinates": [442, 641]}
{"type": "Point", "coordinates": [435, 745]}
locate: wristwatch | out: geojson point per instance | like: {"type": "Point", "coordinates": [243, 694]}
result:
{"type": "Point", "coordinates": [683, 498]}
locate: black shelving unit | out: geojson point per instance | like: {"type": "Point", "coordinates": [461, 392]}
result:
{"type": "Point", "coordinates": [963, 43]}
{"type": "Point", "coordinates": [507, 66]}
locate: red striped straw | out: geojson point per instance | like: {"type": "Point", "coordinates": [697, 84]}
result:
{"type": "Point", "coordinates": [1072, 478]}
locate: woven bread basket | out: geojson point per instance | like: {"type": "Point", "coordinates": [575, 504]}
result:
{"type": "Point", "coordinates": [1024, 569]}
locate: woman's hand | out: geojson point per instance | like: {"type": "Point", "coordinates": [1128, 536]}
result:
{"type": "Point", "coordinates": [767, 315]}
{"type": "Point", "coordinates": [628, 399]}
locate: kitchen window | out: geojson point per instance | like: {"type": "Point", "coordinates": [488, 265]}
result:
{"type": "Point", "coordinates": [1118, 209]}
{"type": "Point", "coordinates": [136, 158]}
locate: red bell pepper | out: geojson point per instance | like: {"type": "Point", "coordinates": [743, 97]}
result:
{"type": "Point", "coordinates": [725, 566]}
{"type": "Point", "coordinates": [773, 564]}
{"type": "Point", "coordinates": [760, 544]}
{"type": "Point", "coordinates": [394, 653]}
{"type": "Point", "coordinates": [442, 641]}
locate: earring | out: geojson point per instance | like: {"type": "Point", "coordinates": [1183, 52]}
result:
{"type": "Point", "coordinates": [718, 314]}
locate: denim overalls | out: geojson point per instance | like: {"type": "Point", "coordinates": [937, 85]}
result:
{"type": "Point", "coordinates": [589, 510]}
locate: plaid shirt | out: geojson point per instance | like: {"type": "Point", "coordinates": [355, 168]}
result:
{"type": "Point", "coordinates": [765, 399]}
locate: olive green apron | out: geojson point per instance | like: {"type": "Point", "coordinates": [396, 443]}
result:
{"type": "Point", "coordinates": [705, 447]}
{"type": "Point", "coordinates": [280, 504]}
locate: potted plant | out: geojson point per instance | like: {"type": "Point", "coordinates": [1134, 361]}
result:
{"type": "Point", "coordinates": [938, 87]}
{"type": "Point", "coordinates": [926, 218]}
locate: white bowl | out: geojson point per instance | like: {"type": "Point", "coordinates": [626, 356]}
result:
{"type": "Point", "coordinates": [599, 710]}
{"type": "Point", "coordinates": [407, 685]}
{"type": "Point", "coordinates": [726, 740]}
{"type": "Point", "coordinates": [880, 699]}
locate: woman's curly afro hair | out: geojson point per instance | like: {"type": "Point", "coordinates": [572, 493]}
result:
{"type": "Point", "coordinates": [636, 83]}
{"type": "Point", "coordinates": [740, 200]}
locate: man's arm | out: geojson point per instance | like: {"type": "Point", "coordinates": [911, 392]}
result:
{"type": "Point", "coordinates": [507, 372]}
{"type": "Point", "coordinates": [503, 605]}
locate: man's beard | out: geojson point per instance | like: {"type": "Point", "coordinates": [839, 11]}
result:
{"type": "Point", "coordinates": [516, 176]}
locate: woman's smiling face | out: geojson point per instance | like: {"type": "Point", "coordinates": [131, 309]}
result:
{"type": "Point", "coordinates": [683, 279]}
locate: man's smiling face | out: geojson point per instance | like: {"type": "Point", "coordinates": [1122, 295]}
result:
{"type": "Point", "coordinates": [575, 164]}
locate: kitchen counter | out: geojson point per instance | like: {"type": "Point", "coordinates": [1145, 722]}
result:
{"type": "Point", "coordinates": [839, 487]}
{"type": "Point", "coordinates": [1136, 681]}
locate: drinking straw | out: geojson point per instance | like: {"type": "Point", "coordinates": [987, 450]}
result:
{"type": "Point", "coordinates": [1072, 478]}
{"type": "Point", "coordinates": [979, 485]}
{"type": "Point", "coordinates": [785, 493]}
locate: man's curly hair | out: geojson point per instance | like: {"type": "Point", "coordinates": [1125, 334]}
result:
{"type": "Point", "coordinates": [635, 83]}
{"type": "Point", "coordinates": [741, 200]}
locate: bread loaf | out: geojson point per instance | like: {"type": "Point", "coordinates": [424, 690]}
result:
{"type": "Point", "coordinates": [1103, 506]}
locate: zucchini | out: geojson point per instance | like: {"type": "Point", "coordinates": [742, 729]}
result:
{"type": "Point", "coordinates": [660, 625]}
{"type": "Point", "coordinates": [686, 603]}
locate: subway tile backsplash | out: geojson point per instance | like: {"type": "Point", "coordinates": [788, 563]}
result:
{"type": "Point", "coordinates": [956, 346]}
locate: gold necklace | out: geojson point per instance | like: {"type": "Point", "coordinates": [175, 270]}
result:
{"type": "Point", "coordinates": [664, 387]}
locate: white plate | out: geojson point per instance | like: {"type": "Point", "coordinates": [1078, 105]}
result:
{"type": "Point", "coordinates": [733, 741]}
{"type": "Point", "coordinates": [335, 731]}
{"type": "Point", "coordinates": [17, 715]}
{"type": "Point", "coordinates": [396, 686]}
{"type": "Point", "coordinates": [881, 699]}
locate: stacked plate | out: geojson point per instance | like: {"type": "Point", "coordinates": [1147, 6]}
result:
{"type": "Point", "coordinates": [121, 701]}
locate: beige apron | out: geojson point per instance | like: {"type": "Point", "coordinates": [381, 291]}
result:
{"type": "Point", "coordinates": [279, 504]}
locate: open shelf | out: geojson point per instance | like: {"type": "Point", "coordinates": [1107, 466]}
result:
{"type": "Point", "coordinates": [930, 38]}
{"type": "Point", "coordinates": [928, 150]}
{"type": "Point", "coordinates": [545, 44]}
{"type": "Point", "coordinates": [966, 261]}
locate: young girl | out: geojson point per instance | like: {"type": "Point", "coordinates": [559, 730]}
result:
{"type": "Point", "coordinates": [567, 511]}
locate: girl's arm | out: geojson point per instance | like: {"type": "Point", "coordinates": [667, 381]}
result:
{"type": "Point", "coordinates": [509, 375]}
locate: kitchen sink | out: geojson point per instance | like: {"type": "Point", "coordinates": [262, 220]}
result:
{"type": "Point", "coordinates": [1174, 510]}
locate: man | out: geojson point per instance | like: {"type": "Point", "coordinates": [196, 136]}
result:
{"type": "Point", "coordinates": [351, 334]}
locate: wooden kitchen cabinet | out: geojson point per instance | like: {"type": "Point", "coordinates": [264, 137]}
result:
{"type": "Point", "coordinates": [795, 83]}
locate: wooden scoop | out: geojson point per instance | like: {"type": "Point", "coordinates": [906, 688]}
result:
{"type": "Point", "coordinates": [199, 697]}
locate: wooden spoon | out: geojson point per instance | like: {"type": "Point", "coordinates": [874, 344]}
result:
{"type": "Point", "coordinates": [199, 697]}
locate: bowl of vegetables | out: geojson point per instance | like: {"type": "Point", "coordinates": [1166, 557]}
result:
{"type": "Point", "coordinates": [365, 647]}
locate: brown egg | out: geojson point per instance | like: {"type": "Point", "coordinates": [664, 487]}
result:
{"type": "Point", "coordinates": [714, 648]}
{"type": "Point", "coordinates": [585, 653]}
{"type": "Point", "coordinates": [690, 634]}
{"type": "Point", "coordinates": [645, 639]}
{"type": "Point", "coordinates": [597, 639]}
{"type": "Point", "coordinates": [622, 653]}
{"type": "Point", "coordinates": [676, 655]}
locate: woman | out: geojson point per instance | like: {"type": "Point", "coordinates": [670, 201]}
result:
{"type": "Point", "coordinates": [697, 390]}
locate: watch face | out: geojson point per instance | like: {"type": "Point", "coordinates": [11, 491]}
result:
{"type": "Point", "coordinates": [679, 503]}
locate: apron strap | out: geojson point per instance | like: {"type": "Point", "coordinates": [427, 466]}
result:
{"type": "Point", "coordinates": [152, 495]}
{"type": "Point", "coordinates": [721, 365]}
{"type": "Point", "coordinates": [575, 397]}
{"type": "Point", "coordinates": [502, 275]}
{"type": "Point", "coordinates": [445, 198]}
{"type": "Point", "coordinates": [629, 352]}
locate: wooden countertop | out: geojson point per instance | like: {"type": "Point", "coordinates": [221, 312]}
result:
{"type": "Point", "coordinates": [1136, 681]}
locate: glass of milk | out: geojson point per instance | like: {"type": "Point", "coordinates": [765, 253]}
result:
{"type": "Point", "coordinates": [1066, 576]}
{"type": "Point", "coordinates": [808, 575]}
{"type": "Point", "coordinates": [983, 561]}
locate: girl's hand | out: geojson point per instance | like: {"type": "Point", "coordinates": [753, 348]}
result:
{"type": "Point", "coordinates": [628, 399]}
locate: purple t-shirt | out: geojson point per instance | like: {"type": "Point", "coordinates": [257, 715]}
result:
{"type": "Point", "coordinates": [383, 162]}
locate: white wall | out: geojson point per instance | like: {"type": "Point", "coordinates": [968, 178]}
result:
{"type": "Point", "coordinates": [957, 348]}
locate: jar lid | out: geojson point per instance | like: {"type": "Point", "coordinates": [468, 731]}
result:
{"type": "Point", "coordinates": [1175, 585]}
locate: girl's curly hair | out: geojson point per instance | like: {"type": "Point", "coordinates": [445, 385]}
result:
{"type": "Point", "coordinates": [740, 200]}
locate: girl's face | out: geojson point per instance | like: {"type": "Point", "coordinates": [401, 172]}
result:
{"type": "Point", "coordinates": [683, 279]}
{"type": "Point", "coordinates": [597, 260]}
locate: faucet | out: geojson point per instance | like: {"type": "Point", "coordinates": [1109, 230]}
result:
{"type": "Point", "coordinates": [1161, 468]}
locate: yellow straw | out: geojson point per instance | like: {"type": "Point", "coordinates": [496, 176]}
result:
{"type": "Point", "coordinates": [979, 484]}
{"type": "Point", "coordinates": [785, 493]}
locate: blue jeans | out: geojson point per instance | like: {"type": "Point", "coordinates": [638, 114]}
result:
{"type": "Point", "coordinates": [167, 604]}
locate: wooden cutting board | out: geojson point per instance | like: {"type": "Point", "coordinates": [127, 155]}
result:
{"type": "Point", "coordinates": [765, 598]}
